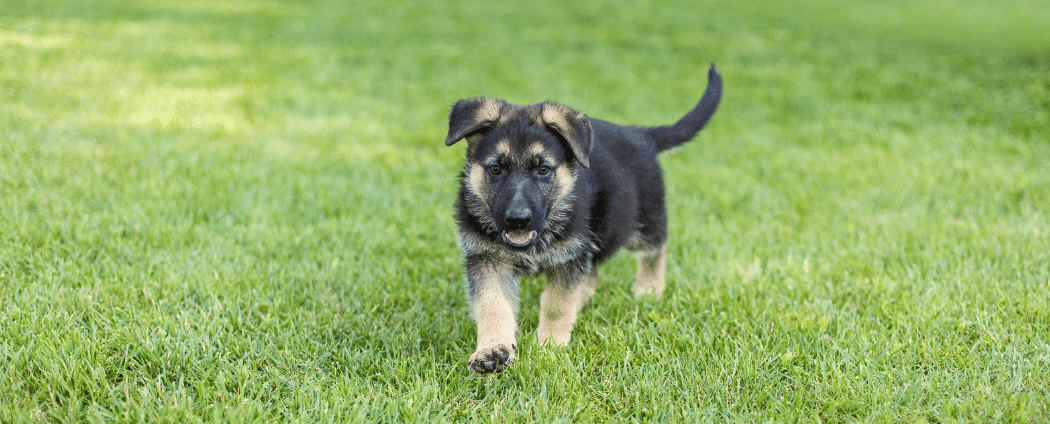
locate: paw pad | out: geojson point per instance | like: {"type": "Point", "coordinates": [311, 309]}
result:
{"type": "Point", "coordinates": [491, 359]}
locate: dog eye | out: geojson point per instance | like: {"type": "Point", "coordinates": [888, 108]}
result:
{"type": "Point", "coordinates": [495, 170]}
{"type": "Point", "coordinates": [543, 170]}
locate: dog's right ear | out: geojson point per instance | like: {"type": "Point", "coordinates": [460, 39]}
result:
{"type": "Point", "coordinates": [471, 116]}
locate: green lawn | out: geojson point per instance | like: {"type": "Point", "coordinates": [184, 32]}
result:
{"type": "Point", "coordinates": [240, 211]}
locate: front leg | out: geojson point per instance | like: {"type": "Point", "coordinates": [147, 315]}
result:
{"type": "Point", "coordinates": [492, 292]}
{"type": "Point", "coordinates": [568, 290]}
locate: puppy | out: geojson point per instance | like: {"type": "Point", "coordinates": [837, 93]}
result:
{"type": "Point", "coordinates": [547, 189]}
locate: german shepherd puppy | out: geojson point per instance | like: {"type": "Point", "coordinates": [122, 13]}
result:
{"type": "Point", "coordinates": [547, 189]}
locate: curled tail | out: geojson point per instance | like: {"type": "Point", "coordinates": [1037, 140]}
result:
{"type": "Point", "coordinates": [671, 136]}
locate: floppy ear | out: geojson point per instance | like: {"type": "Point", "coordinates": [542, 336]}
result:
{"type": "Point", "coordinates": [470, 116]}
{"type": "Point", "coordinates": [573, 127]}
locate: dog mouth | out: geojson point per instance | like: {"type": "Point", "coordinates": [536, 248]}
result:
{"type": "Point", "coordinates": [519, 238]}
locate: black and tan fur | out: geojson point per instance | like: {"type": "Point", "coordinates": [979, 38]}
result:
{"type": "Point", "coordinates": [547, 189]}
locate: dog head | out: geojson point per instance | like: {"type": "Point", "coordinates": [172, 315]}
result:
{"type": "Point", "coordinates": [521, 165]}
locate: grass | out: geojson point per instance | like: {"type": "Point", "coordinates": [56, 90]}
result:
{"type": "Point", "coordinates": [240, 211]}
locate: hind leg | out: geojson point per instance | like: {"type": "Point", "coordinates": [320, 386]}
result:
{"type": "Point", "coordinates": [650, 245]}
{"type": "Point", "coordinates": [650, 277]}
{"type": "Point", "coordinates": [649, 242]}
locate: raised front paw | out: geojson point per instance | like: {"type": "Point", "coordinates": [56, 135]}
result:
{"type": "Point", "coordinates": [492, 359]}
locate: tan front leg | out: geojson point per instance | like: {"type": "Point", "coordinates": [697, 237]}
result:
{"type": "Point", "coordinates": [560, 302]}
{"type": "Point", "coordinates": [650, 277]}
{"type": "Point", "coordinates": [492, 290]}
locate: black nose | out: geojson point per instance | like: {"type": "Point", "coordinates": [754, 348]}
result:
{"type": "Point", "coordinates": [518, 218]}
